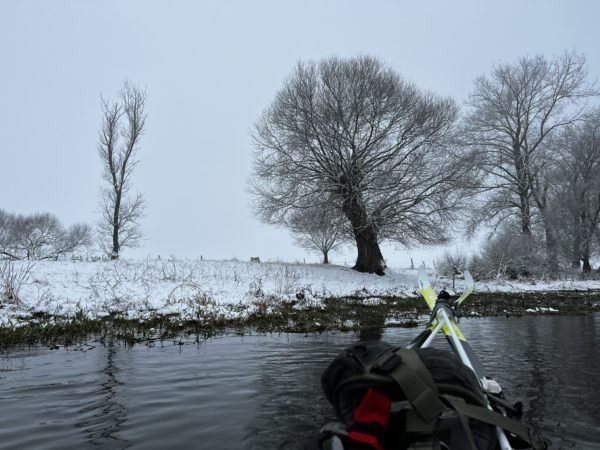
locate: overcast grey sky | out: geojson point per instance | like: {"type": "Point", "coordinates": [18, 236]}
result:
{"type": "Point", "coordinates": [210, 68]}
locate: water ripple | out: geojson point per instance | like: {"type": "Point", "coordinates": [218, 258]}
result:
{"type": "Point", "coordinates": [263, 392]}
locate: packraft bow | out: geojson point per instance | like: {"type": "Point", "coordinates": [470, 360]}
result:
{"type": "Point", "coordinates": [416, 397]}
{"type": "Point", "coordinates": [443, 318]}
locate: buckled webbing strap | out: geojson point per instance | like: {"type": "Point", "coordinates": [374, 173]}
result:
{"type": "Point", "coordinates": [415, 381]}
{"type": "Point", "coordinates": [522, 431]}
{"type": "Point", "coordinates": [467, 429]}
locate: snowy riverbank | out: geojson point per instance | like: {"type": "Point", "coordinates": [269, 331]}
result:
{"type": "Point", "coordinates": [195, 290]}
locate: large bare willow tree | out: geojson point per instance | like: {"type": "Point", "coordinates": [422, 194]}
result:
{"type": "Point", "coordinates": [123, 123]}
{"type": "Point", "coordinates": [352, 136]}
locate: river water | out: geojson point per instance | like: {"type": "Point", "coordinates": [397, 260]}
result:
{"type": "Point", "coordinates": [263, 392]}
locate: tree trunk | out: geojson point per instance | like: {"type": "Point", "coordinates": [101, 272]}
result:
{"type": "Point", "coordinates": [551, 251]}
{"type": "Point", "coordinates": [587, 232]}
{"type": "Point", "coordinates": [527, 234]}
{"type": "Point", "coordinates": [325, 257]}
{"type": "Point", "coordinates": [585, 256]}
{"type": "Point", "coordinates": [525, 216]}
{"type": "Point", "coordinates": [115, 235]}
{"type": "Point", "coordinates": [576, 251]}
{"type": "Point", "coordinates": [369, 259]}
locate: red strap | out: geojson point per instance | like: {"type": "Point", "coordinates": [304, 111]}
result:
{"type": "Point", "coordinates": [363, 438]}
{"type": "Point", "coordinates": [374, 410]}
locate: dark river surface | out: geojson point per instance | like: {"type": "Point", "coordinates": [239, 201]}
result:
{"type": "Point", "coordinates": [263, 392]}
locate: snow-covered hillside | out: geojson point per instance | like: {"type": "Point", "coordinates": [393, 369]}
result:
{"type": "Point", "coordinates": [191, 289]}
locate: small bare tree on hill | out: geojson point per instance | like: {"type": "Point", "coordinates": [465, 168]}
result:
{"type": "Point", "coordinates": [318, 229]}
{"type": "Point", "coordinates": [123, 124]}
{"type": "Point", "coordinates": [451, 264]}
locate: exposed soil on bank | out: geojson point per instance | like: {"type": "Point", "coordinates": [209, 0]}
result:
{"type": "Point", "coordinates": [357, 314]}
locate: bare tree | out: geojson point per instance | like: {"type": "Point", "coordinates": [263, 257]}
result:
{"type": "Point", "coordinates": [351, 135]}
{"type": "Point", "coordinates": [451, 264]}
{"type": "Point", "coordinates": [579, 194]}
{"type": "Point", "coordinates": [73, 238]}
{"type": "Point", "coordinates": [318, 229]}
{"type": "Point", "coordinates": [508, 253]}
{"type": "Point", "coordinates": [513, 113]}
{"type": "Point", "coordinates": [40, 236]}
{"type": "Point", "coordinates": [123, 124]}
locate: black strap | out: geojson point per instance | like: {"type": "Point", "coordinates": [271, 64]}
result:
{"type": "Point", "coordinates": [433, 444]}
{"type": "Point", "coordinates": [511, 409]}
{"type": "Point", "coordinates": [467, 429]}
{"type": "Point", "coordinates": [522, 431]}
{"type": "Point", "coordinates": [414, 424]}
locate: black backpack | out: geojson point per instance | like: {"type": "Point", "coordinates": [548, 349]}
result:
{"type": "Point", "coordinates": [389, 397]}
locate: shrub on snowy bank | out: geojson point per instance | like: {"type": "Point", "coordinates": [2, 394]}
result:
{"type": "Point", "coordinates": [11, 280]}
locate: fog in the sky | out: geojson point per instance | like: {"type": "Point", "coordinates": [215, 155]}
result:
{"type": "Point", "coordinates": [210, 68]}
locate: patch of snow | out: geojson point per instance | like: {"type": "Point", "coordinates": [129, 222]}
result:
{"type": "Point", "coordinates": [372, 301]}
{"type": "Point", "coordinates": [392, 322]}
{"type": "Point", "coordinates": [541, 310]}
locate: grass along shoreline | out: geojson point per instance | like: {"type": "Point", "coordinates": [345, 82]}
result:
{"type": "Point", "coordinates": [348, 314]}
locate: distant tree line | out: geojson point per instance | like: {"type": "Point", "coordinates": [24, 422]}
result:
{"type": "Point", "coordinates": [350, 152]}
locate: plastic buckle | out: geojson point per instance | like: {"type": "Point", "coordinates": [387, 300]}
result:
{"type": "Point", "coordinates": [490, 385]}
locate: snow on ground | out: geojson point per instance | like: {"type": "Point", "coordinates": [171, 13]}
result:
{"type": "Point", "coordinates": [193, 289]}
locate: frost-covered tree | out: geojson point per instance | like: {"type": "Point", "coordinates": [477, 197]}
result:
{"type": "Point", "coordinates": [40, 236]}
{"type": "Point", "coordinates": [513, 113]}
{"type": "Point", "coordinates": [354, 132]}
{"type": "Point", "coordinates": [123, 124]}
{"type": "Point", "coordinates": [578, 199]}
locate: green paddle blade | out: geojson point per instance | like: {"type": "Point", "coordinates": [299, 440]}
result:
{"type": "Point", "coordinates": [425, 288]}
